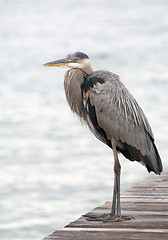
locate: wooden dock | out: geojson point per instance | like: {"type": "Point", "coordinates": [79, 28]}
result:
{"type": "Point", "coordinates": [147, 202]}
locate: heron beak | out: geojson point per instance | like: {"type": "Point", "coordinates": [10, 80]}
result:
{"type": "Point", "coordinates": [59, 63]}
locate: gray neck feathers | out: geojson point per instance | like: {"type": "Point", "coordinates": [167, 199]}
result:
{"type": "Point", "coordinates": [72, 84]}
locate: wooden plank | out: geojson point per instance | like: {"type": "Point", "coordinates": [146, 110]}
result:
{"type": "Point", "coordinates": [107, 235]}
{"type": "Point", "coordinates": [147, 202]}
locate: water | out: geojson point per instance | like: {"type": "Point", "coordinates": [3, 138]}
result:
{"type": "Point", "coordinates": [52, 169]}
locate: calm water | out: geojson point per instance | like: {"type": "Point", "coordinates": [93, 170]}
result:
{"type": "Point", "coordinates": [52, 169]}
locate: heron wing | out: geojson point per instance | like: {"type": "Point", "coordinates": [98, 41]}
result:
{"type": "Point", "coordinates": [118, 116]}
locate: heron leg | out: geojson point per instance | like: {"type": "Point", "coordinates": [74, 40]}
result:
{"type": "Point", "coordinates": [116, 208]}
{"type": "Point", "coordinates": [113, 209]}
{"type": "Point", "coordinates": [115, 214]}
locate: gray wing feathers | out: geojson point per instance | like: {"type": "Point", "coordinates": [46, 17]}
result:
{"type": "Point", "coordinates": [120, 116]}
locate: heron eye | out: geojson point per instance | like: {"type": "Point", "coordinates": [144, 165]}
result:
{"type": "Point", "coordinates": [76, 59]}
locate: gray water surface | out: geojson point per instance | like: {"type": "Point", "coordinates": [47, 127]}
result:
{"type": "Point", "coordinates": [52, 169]}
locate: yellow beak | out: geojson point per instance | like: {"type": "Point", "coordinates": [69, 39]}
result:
{"type": "Point", "coordinates": [59, 63]}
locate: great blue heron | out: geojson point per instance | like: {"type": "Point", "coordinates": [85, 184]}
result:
{"type": "Point", "coordinates": [113, 116]}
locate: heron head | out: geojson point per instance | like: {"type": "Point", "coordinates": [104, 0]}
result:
{"type": "Point", "coordinates": [75, 60]}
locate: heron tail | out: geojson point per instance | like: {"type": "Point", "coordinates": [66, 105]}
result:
{"type": "Point", "coordinates": [152, 161]}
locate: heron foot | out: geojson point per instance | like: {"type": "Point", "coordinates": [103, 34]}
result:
{"type": "Point", "coordinates": [107, 218]}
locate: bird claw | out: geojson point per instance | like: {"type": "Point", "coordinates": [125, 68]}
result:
{"type": "Point", "coordinates": [107, 218]}
{"type": "Point", "coordinates": [124, 218]}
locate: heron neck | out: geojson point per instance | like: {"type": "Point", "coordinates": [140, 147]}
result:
{"type": "Point", "coordinates": [88, 70]}
{"type": "Point", "coordinates": [87, 66]}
